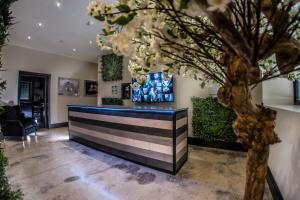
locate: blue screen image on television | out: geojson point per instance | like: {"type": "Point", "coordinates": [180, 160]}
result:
{"type": "Point", "coordinates": [157, 88]}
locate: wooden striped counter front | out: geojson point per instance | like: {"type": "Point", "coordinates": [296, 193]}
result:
{"type": "Point", "coordinates": [151, 136]}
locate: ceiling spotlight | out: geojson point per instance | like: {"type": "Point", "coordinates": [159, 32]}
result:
{"type": "Point", "coordinates": [28, 37]}
{"type": "Point", "coordinates": [58, 4]}
{"type": "Point", "coordinates": [74, 50]}
{"type": "Point", "coordinates": [40, 24]}
{"type": "Point", "coordinates": [90, 23]}
{"type": "Point", "coordinates": [91, 42]}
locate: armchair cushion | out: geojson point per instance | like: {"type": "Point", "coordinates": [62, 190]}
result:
{"type": "Point", "coordinates": [14, 125]}
{"type": "Point", "coordinates": [9, 114]}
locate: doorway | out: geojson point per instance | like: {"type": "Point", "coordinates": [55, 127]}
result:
{"type": "Point", "coordinates": [33, 96]}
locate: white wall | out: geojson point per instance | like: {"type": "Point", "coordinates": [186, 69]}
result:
{"type": "Point", "coordinates": [284, 160]}
{"type": "Point", "coordinates": [19, 58]}
{"type": "Point", "coordinates": [278, 91]}
{"type": "Point", "coordinates": [184, 90]}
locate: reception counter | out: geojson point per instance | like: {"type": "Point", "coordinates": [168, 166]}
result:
{"type": "Point", "coordinates": [151, 136]}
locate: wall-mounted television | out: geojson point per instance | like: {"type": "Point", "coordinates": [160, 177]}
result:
{"type": "Point", "coordinates": [157, 88]}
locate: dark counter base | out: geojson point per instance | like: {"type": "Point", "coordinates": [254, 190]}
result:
{"type": "Point", "coordinates": [127, 156]}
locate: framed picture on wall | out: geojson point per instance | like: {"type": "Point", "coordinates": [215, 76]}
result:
{"type": "Point", "coordinates": [126, 91]}
{"type": "Point", "coordinates": [68, 87]}
{"type": "Point", "coordinates": [114, 90]}
{"type": "Point", "coordinates": [90, 88]}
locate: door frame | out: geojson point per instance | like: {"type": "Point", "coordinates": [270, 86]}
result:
{"type": "Point", "coordinates": [47, 91]}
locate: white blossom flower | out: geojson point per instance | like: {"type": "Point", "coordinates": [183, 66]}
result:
{"type": "Point", "coordinates": [141, 79]}
{"type": "Point", "coordinates": [94, 7]}
{"type": "Point", "coordinates": [108, 8]}
{"type": "Point", "coordinates": [101, 44]}
{"type": "Point", "coordinates": [99, 40]}
{"type": "Point", "coordinates": [122, 42]}
{"type": "Point", "coordinates": [220, 5]}
{"type": "Point", "coordinates": [144, 4]}
{"type": "Point", "coordinates": [136, 86]}
{"type": "Point", "coordinates": [194, 9]}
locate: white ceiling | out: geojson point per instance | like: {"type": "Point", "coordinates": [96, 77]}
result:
{"type": "Point", "coordinates": [64, 29]}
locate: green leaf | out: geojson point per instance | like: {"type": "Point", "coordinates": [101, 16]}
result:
{"type": "Point", "coordinates": [202, 85]}
{"type": "Point", "coordinates": [131, 16]}
{"type": "Point", "coordinates": [121, 21]}
{"type": "Point", "coordinates": [184, 4]}
{"type": "Point", "coordinates": [123, 8]}
{"type": "Point", "coordinates": [100, 18]}
{"type": "Point", "coordinates": [106, 33]}
{"type": "Point", "coordinates": [110, 22]}
{"type": "Point", "coordinates": [195, 77]}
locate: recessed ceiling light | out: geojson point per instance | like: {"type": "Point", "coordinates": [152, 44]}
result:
{"type": "Point", "coordinates": [40, 24]}
{"type": "Point", "coordinates": [74, 49]}
{"type": "Point", "coordinates": [28, 37]}
{"type": "Point", "coordinates": [90, 23]}
{"type": "Point", "coordinates": [58, 4]}
{"type": "Point", "coordinates": [91, 42]}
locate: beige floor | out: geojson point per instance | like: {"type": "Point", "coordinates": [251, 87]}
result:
{"type": "Point", "coordinates": [50, 167]}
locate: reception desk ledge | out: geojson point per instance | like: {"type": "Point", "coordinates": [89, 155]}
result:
{"type": "Point", "coordinates": [148, 135]}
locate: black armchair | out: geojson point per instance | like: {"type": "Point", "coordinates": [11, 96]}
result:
{"type": "Point", "coordinates": [14, 124]}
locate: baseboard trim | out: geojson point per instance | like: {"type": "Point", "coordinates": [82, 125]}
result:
{"type": "Point", "coordinates": [233, 146]}
{"type": "Point", "coordinates": [275, 191]}
{"type": "Point", "coordinates": [59, 125]}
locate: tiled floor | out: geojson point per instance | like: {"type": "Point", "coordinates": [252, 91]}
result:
{"type": "Point", "coordinates": [50, 167]}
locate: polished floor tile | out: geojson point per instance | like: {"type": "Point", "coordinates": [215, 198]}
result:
{"type": "Point", "coordinates": [50, 167]}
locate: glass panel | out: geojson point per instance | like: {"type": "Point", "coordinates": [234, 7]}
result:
{"type": "Point", "coordinates": [25, 91]}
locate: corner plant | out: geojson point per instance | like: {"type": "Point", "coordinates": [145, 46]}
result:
{"type": "Point", "coordinates": [5, 22]}
{"type": "Point", "coordinates": [6, 191]}
{"type": "Point", "coordinates": [236, 43]}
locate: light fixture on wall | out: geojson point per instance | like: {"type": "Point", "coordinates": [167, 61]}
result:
{"type": "Point", "coordinates": [91, 42]}
{"type": "Point", "coordinates": [74, 50]}
{"type": "Point", "coordinates": [28, 37]}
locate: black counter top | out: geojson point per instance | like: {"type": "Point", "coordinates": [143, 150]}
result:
{"type": "Point", "coordinates": [144, 109]}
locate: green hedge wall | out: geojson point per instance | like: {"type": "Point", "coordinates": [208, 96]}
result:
{"type": "Point", "coordinates": [6, 191]}
{"type": "Point", "coordinates": [112, 67]}
{"type": "Point", "coordinates": [211, 121]}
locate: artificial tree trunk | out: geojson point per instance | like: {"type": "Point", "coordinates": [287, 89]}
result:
{"type": "Point", "coordinates": [254, 125]}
